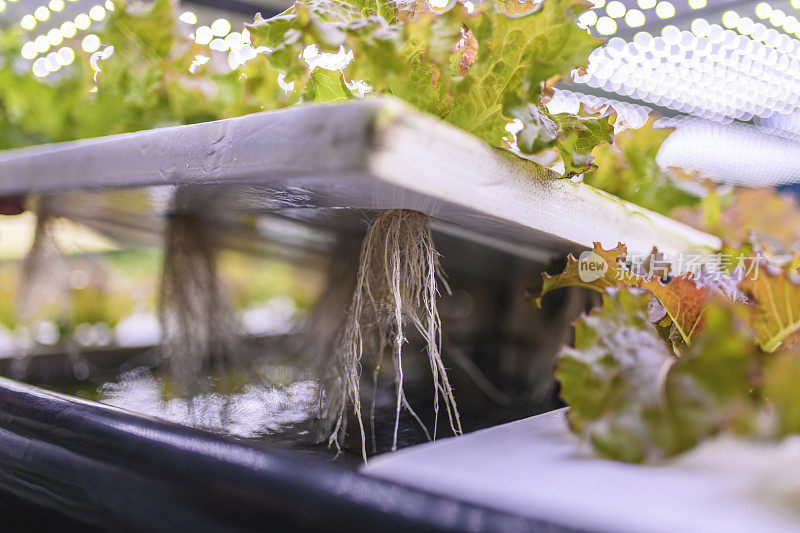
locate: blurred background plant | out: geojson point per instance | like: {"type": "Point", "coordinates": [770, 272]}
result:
{"type": "Point", "coordinates": [144, 71]}
{"type": "Point", "coordinates": [112, 294]}
{"type": "Point", "coordinates": [627, 168]}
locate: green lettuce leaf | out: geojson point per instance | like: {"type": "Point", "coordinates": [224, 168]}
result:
{"type": "Point", "coordinates": [578, 136]}
{"type": "Point", "coordinates": [774, 297]}
{"type": "Point", "coordinates": [328, 86]}
{"type": "Point", "coordinates": [478, 70]}
{"type": "Point", "coordinates": [634, 400]}
{"type": "Point", "coordinates": [628, 169]}
{"type": "Point", "coordinates": [779, 383]}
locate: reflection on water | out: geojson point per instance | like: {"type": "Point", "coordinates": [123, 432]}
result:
{"type": "Point", "coordinates": [253, 412]}
{"type": "Point", "coordinates": [281, 411]}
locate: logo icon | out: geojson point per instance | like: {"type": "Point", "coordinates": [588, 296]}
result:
{"type": "Point", "coordinates": [591, 266]}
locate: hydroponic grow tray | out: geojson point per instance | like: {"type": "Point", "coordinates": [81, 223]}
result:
{"type": "Point", "coordinates": [126, 472]}
{"type": "Point", "coordinates": [725, 485]}
{"type": "Point", "coordinates": [372, 154]}
{"type": "Point", "coordinates": [304, 174]}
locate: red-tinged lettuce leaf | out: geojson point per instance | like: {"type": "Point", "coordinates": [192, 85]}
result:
{"type": "Point", "coordinates": [597, 270]}
{"type": "Point", "coordinates": [684, 299]}
{"type": "Point", "coordinates": [632, 399]}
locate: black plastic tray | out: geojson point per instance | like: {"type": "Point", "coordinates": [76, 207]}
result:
{"type": "Point", "coordinates": [124, 472]}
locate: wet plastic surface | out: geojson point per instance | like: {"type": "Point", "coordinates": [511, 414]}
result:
{"type": "Point", "coordinates": [324, 165]}
{"type": "Point", "coordinates": [117, 470]}
{"type": "Point", "coordinates": [284, 183]}
{"type": "Point", "coordinates": [538, 467]}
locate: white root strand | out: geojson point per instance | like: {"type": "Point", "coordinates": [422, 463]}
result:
{"type": "Point", "coordinates": [199, 327]}
{"type": "Point", "coordinates": [396, 285]}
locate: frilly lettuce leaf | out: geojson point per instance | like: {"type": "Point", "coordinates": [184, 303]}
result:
{"type": "Point", "coordinates": [139, 79]}
{"type": "Point", "coordinates": [634, 400]}
{"type": "Point", "coordinates": [477, 70]}
{"type": "Point", "coordinates": [614, 272]}
{"type": "Point", "coordinates": [578, 137]}
{"type": "Point", "coordinates": [663, 365]}
{"type": "Point", "coordinates": [328, 86]}
{"type": "Point", "coordinates": [683, 298]}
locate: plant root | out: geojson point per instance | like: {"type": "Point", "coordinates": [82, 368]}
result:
{"type": "Point", "coordinates": [396, 287]}
{"type": "Point", "coordinates": [44, 286]}
{"type": "Point", "coordinates": [199, 329]}
{"type": "Point", "coordinates": [324, 324]}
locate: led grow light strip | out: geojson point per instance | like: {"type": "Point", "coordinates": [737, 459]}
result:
{"type": "Point", "coordinates": [720, 151]}
{"type": "Point", "coordinates": [710, 71]}
{"type": "Point", "coordinates": [606, 17]}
